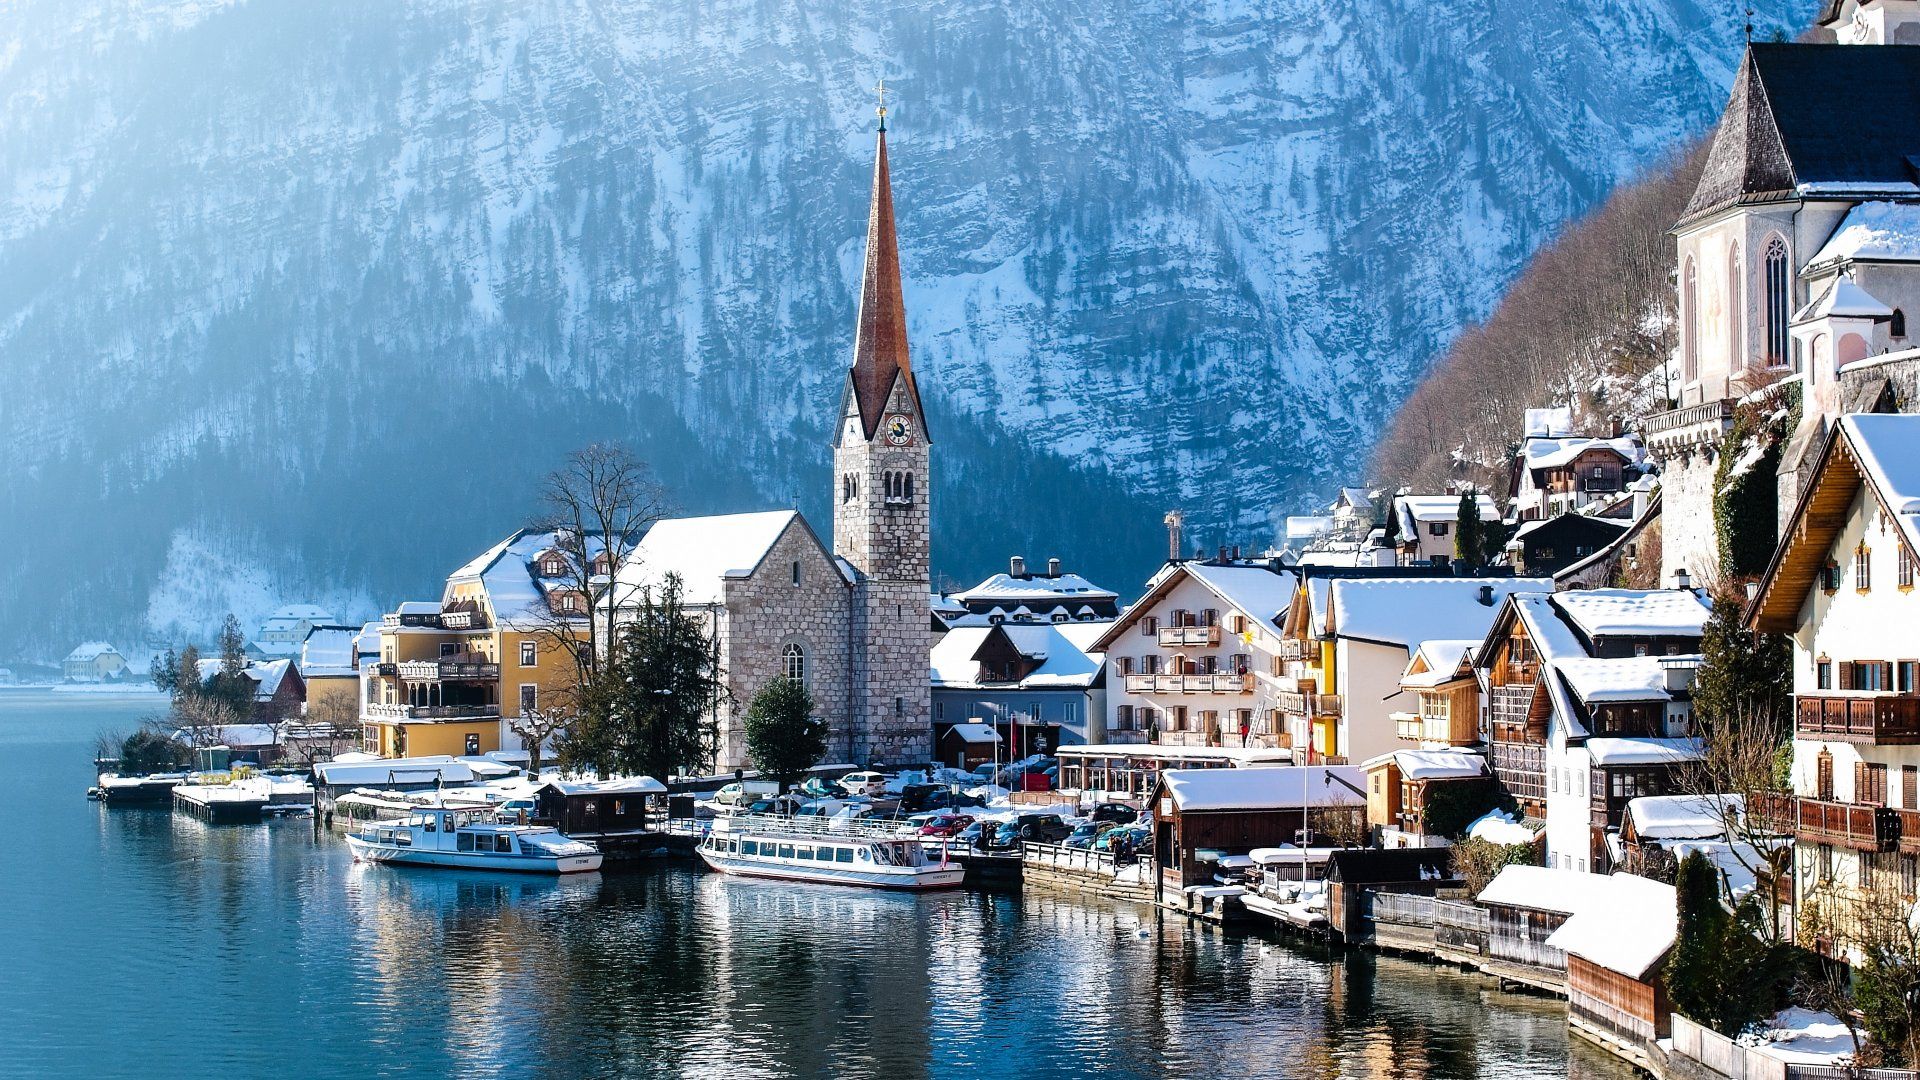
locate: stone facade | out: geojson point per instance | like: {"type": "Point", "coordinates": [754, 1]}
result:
{"type": "Point", "coordinates": [882, 526]}
{"type": "Point", "coordinates": [796, 597]}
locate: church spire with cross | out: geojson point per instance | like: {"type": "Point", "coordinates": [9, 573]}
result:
{"type": "Point", "coordinates": [880, 335]}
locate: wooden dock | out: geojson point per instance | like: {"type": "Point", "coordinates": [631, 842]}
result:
{"type": "Point", "coordinates": [221, 804]}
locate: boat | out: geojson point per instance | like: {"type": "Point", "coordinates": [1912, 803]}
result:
{"type": "Point", "coordinates": [884, 855]}
{"type": "Point", "coordinates": [472, 839]}
{"type": "Point", "coordinates": [136, 790]}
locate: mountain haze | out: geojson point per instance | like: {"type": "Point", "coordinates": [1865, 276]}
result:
{"type": "Point", "coordinates": [299, 300]}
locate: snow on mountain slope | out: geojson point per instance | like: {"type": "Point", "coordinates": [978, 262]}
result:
{"type": "Point", "coordinates": [348, 277]}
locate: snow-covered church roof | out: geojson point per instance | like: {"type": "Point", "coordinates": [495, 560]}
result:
{"type": "Point", "coordinates": [1874, 231]}
{"type": "Point", "coordinates": [704, 552]}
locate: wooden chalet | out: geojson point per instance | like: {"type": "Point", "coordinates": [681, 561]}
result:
{"type": "Point", "coordinates": [610, 813]}
{"type": "Point", "coordinates": [1233, 811]}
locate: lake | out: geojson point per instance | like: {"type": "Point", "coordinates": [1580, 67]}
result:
{"type": "Point", "coordinates": [145, 944]}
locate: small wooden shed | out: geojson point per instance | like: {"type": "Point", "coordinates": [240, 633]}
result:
{"type": "Point", "coordinates": [1525, 905]}
{"type": "Point", "coordinates": [1616, 947]}
{"type": "Point", "coordinates": [1233, 811]}
{"type": "Point", "coordinates": [598, 809]}
{"type": "Point", "coordinates": [1351, 873]}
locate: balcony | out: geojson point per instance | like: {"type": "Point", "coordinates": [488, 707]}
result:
{"type": "Point", "coordinates": [1219, 683]}
{"type": "Point", "coordinates": [433, 712]}
{"type": "Point", "coordinates": [1310, 704]}
{"type": "Point", "coordinates": [1293, 649]}
{"type": "Point", "coordinates": [464, 619]}
{"type": "Point", "coordinates": [1706, 422]}
{"type": "Point", "coordinates": [387, 669]}
{"type": "Point", "coordinates": [1849, 825]}
{"type": "Point", "coordinates": [1408, 725]}
{"type": "Point", "coordinates": [447, 670]}
{"type": "Point", "coordinates": [1879, 719]}
{"type": "Point", "coordinates": [1174, 637]}
{"type": "Point", "coordinates": [1599, 485]}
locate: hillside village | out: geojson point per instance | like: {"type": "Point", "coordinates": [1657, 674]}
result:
{"type": "Point", "coordinates": [1652, 698]}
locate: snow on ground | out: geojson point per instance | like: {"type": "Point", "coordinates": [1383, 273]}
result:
{"type": "Point", "coordinates": [1500, 827]}
{"type": "Point", "coordinates": [1804, 1037]}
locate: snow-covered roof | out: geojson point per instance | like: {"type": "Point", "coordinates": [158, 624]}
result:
{"type": "Point", "coordinates": [1608, 752]}
{"type": "Point", "coordinates": [1887, 447]}
{"type": "Point", "coordinates": [1062, 648]}
{"type": "Point", "coordinates": [1548, 423]}
{"type": "Point", "coordinates": [239, 736]}
{"type": "Point", "coordinates": [705, 552]}
{"type": "Point", "coordinates": [303, 613]}
{"type": "Point", "coordinates": [1551, 638]}
{"type": "Point", "coordinates": [90, 650]}
{"type": "Point", "coordinates": [975, 733]}
{"type": "Point", "coordinates": [1874, 231]}
{"type": "Point", "coordinates": [1355, 498]}
{"type": "Point", "coordinates": [1500, 827]}
{"type": "Point", "coordinates": [265, 674]}
{"type": "Point", "coordinates": [1635, 612]}
{"type": "Point", "coordinates": [506, 574]}
{"type": "Point", "coordinates": [636, 785]}
{"type": "Point", "coordinates": [418, 607]}
{"type": "Point", "coordinates": [1406, 611]}
{"type": "Point", "coordinates": [1441, 657]}
{"type": "Point", "coordinates": [420, 770]}
{"type": "Point", "coordinates": [1629, 678]}
{"type": "Point", "coordinates": [1627, 928]}
{"type": "Point", "coordinates": [1682, 817]}
{"type": "Point", "coordinates": [1264, 789]}
{"type": "Point", "coordinates": [1433, 764]}
{"type": "Point", "coordinates": [1553, 453]}
{"type": "Point", "coordinates": [1541, 888]}
{"type": "Point", "coordinates": [1421, 509]}
{"type": "Point", "coordinates": [1843, 299]}
{"type": "Point", "coordinates": [1260, 593]}
{"type": "Point", "coordinates": [368, 640]}
{"type": "Point", "coordinates": [1034, 589]}
{"type": "Point", "coordinates": [328, 651]}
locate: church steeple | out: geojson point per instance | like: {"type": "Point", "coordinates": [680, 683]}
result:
{"type": "Point", "coordinates": [880, 337]}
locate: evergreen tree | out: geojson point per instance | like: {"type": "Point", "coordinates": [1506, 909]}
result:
{"type": "Point", "coordinates": [1691, 978]}
{"type": "Point", "coordinates": [646, 711]}
{"type": "Point", "coordinates": [1469, 538]}
{"type": "Point", "coordinates": [784, 739]}
{"type": "Point", "coordinates": [233, 647]}
{"type": "Point", "coordinates": [1745, 676]}
{"type": "Point", "coordinates": [1721, 972]}
{"type": "Point", "coordinates": [187, 682]}
{"type": "Point", "coordinates": [165, 672]}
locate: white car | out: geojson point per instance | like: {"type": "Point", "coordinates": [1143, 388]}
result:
{"type": "Point", "coordinates": [864, 783]}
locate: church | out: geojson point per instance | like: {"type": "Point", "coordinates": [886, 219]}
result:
{"type": "Point", "coordinates": [847, 615]}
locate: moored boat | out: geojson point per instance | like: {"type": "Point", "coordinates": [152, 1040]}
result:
{"type": "Point", "coordinates": [833, 852]}
{"type": "Point", "coordinates": [472, 839]}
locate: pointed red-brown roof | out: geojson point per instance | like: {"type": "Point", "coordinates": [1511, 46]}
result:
{"type": "Point", "coordinates": [880, 339]}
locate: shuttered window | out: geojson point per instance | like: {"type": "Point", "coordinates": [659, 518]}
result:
{"type": "Point", "coordinates": [1870, 783]}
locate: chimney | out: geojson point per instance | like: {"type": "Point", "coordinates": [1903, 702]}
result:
{"type": "Point", "coordinates": [1486, 596]}
{"type": "Point", "coordinates": [1236, 553]}
{"type": "Point", "coordinates": [1681, 580]}
{"type": "Point", "coordinates": [1017, 567]}
{"type": "Point", "coordinates": [1172, 521]}
{"type": "Point", "coordinates": [1221, 553]}
{"type": "Point", "coordinates": [1053, 568]}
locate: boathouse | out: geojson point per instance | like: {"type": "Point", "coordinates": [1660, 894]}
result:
{"type": "Point", "coordinates": [1219, 812]}
{"type": "Point", "coordinates": [1616, 946]}
{"type": "Point", "coordinates": [1352, 873]}
{"type": "Point", "coordinates": [1525, 905]}
{"type": "Point", "coordinates": [599, 810]}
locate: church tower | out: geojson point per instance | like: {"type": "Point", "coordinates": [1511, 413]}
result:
{"type": "Point", "coordinates": [881, 520]}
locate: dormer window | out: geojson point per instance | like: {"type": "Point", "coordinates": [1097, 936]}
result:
{"type": "Point", "coordinates": [553, 566]}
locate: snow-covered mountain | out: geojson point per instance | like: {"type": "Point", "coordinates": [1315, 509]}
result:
{"type": "Point", "coordinates": [306, 296]}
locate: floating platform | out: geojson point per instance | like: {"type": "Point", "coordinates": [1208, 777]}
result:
{"type": "Point", "coordinates": [221, 804]}
{"type": "Point", "coordinates": [137, 790]}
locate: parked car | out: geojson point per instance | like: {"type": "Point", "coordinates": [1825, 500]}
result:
{"type": "Point", "coordinates": [816, 788]}
{"type": "Point", "coordinates": [1040, 828]}
{"type": "Point", "coordinates": [520, 810]}
{"type": "Point", "coordinates": [778, 804]}
{"type": "Point", "coordinates": [946, 825]}
{"type": "Point", "coordinates": [864, 783]}
{"type": "Point", "coordinates": [1084, 835]}
{"type": "Point", "coordinates": [1140, 836]}
{"type": "Point", "coordinates": [1118, 813]}
{"type": "Point", "coordinates": [975, 835]}
{"type": "Point", "coordinates": [743, 792]}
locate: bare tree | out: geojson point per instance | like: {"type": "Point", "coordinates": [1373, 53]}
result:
{"type": "Point", "coordinates": [329, 727]}
{"type": "Point", "coordinates": [1737, 782]}
{"type": "Point", "coordinates": [598, 506]}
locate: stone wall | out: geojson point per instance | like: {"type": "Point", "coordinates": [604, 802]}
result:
{"type": "Point", "coordinates": [767, 612]}
{"type": "Point", "coordinates": [1687, 537]}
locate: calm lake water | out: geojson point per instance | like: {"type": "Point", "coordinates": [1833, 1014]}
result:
{"type": "Point", "coordinates": [143, 944]}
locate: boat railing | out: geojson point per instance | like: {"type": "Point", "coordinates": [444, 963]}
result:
{"type": "Point", "coordinates": [777, 825]}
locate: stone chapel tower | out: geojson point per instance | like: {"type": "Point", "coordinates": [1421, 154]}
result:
{"type": "Point", "coordinates": [880, 519]}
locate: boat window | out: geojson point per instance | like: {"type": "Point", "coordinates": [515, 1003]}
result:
{"type": "Point", "coordinates": [465, 841]}
{"type": "Point", "coordinates": [428, 825]}
{"type": "Point", "coordinates": [844, 854]}
{"type": "Point", "coordinates": [786, 851]}
{"type": "Point", "coordinates": [749, 847]}
{"type": "Point", "coordinates": [503, 842]}
{"type": "Point", "coordinates": [864, 856]}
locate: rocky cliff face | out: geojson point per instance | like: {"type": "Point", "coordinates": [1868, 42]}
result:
{"type": "Point", "coordinates": [299, 300]}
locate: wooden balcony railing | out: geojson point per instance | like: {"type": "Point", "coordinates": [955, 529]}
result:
{"type": "Point", "coordinates": [1310, 704]}
{"type": "Point", "coordinates": [1907, 824]}
{"type": "Point", "coordinates": [1881, 719]}
{"type": "Point", "coordinates": [1293, 649]}
{"type": "Point", "coordinates": [442, 670]}
{"type": "Point", "coordinates": [1174, 637]}
{"type": "Point", "coordinates": [1409, 726]}
{"type": "Point", "coordinates": [1850, 825]}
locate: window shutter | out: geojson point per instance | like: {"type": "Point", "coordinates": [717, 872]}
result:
{"type": "Point", "coordinates": [1886, 675]}
{"type": "Point", "coordinates": [1846, 675]}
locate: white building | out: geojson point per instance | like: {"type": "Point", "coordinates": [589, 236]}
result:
{"type": "Point", "coordinates": [285, 631]}
{"type": "Point", "coordinates": [93, 661]}
{"type": "Point", "coordinates": [1023, 595]}
{"type": "Point", "coordinates": [1842, 584]}
{"type": "Point", "coordinates": [1426, 525]}
{"type": "Point", "coordinates": [1196, 660]}
{"type": "Point", "coordinates": [1039, 686]}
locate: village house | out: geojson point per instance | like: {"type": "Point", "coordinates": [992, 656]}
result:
{"type": "Point", "coordinates": [1356, 632]}
{"type": "Point", "coordinates": [1545, 547]}
{"type": "Point", "coordinates": [1616, 946]}
{"type": "Point", "coordinates": [450, 674]}
{"type": "Point", "coordinates": [1023, 687]}
{"type": "Point", "coordinates": [1443, 763]}
{"type": "Point", "coordinates": [1557, 472]}
{"type": "Point", "coordinates": [1589, 706]}
{"type": "Point", "coordinates": [1021, 595]}
{"type": "Point", "coordinates": [1202, 814]}
{"type": "Point", "coordinates": [93, 661]}
{"type": "Point", "coordinates": [1796, 253]}
{"type": "Point", "coordinates": [283, 632]}
{"type": "Point", "coordinates": [1423, 526]}
{"type": "Point", "coordinates": [277, 692]}
{"type": "Point", "coordinates": [1196, 661]}
{"type": "Point", "coordinates": [1842, 585]}
{"type": "Point", "coordinates": [1352, 513]}
{"type": "Point", "coordinates": [329, 664]}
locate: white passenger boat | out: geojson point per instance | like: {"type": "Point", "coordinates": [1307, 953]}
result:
{"type": "Point", "coordinates": [471, 839]}
{"type": "Point", "coordinates": [834, 852]}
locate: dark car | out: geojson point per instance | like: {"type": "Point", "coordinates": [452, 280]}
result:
{"type": "Point", "coordinates": [1118, 813]}
{"type": "Point", "coordinates": [919, 798]}
{"type": "Point", "coordinates": [1083, 836]}
{"type": "Point", "coordinates": [1040, 828]}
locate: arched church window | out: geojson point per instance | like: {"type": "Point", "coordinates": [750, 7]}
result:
{"type": "Point", "coordinates": [906, 487]}
{"type": "Point", "coordinates": [1898, 325]}
{"type": "Point", "coordinates": [793, 662]}
{"type": "Point", "coordinates": [1775, 271]}
{"type": "Point", "coordinates": [1736, 310]}
{"type": "Point", "coordinates": [1690, 322]}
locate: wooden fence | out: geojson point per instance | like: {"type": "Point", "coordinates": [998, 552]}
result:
{"type": "Point", "coordinates": [1460, 926]}
{"type": "Point", "coordinates": [1737, 1062]}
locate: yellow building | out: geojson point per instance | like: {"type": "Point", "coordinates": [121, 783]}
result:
{"type": "Point", "coordinates": [452, 676]}
{"type": "Point", "coordinates": [328, 665]}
